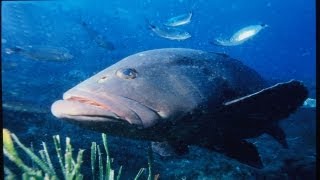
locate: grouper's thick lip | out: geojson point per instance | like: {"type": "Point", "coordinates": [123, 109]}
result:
{"type": "Point", "coordinates": [83, 106]}
{"type": "Point", "coordinates": [70, 107]}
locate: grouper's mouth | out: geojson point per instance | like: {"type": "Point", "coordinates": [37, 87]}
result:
{"type": "Point", "coordinates": [88, 101]}
{"type": "Point", "coordinates": [82, 106]}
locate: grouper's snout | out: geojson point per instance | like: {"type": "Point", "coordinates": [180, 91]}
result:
{"type": "Point", "coordinates": [56, 109]}
{"type": "Point", "coordinates": [85, 107]}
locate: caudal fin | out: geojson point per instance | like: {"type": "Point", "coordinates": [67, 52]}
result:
{"type": "Point", "coordinates": [221, 42]}
{"type": "Point", "coordinates": [215, 43]}
{"type": "Point", "coordinates": [149, 25]}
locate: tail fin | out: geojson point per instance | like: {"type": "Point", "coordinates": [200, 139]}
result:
{"type": "Point", "coordinates": [84, 24]}
{"type": "Point", "coordinates": [215, 43]}
{"type": "Point", "coordinates": [149, 24]}
{"type": "Point", "coordinates": [221, 42]}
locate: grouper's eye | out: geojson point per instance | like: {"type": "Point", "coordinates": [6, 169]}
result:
{"type": "Point", "coordinates": [127, 73]}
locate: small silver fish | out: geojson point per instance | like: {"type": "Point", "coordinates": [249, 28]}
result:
{"type": "Point", "coordinates": [179, 20]}
{"type": "Point", "coordinates": [310, 103]}
{"type": "Point", "coordinates": [24, 107]}
{"type": "Point", "coordinates": [102, 42]}
{"type": "Point", "coordinates": [241, 36]}
{"type": "Point", "coordinates": [170, 33]}
{"type": "Point", "coordinates": [99, 39]}
{"type": "Point", "coordinates": [43, 53]}
{"type": "Point", "coordinates": [3, 41]}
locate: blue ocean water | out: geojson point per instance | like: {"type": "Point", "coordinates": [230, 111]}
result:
{"type": "Point", "coordinates": [284, 50]}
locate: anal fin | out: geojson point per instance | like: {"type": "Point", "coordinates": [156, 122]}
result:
{"type": "Point", "coordinates": [278, 134]}
{"type": "Point", "coordinates": [243, 151]}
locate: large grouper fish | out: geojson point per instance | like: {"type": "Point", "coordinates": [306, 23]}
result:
{"type": "Point", "coordinates": [178, 97]}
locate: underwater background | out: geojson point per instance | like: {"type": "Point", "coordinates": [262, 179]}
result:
{"type": "Point", "coordinates": [85, 37]}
